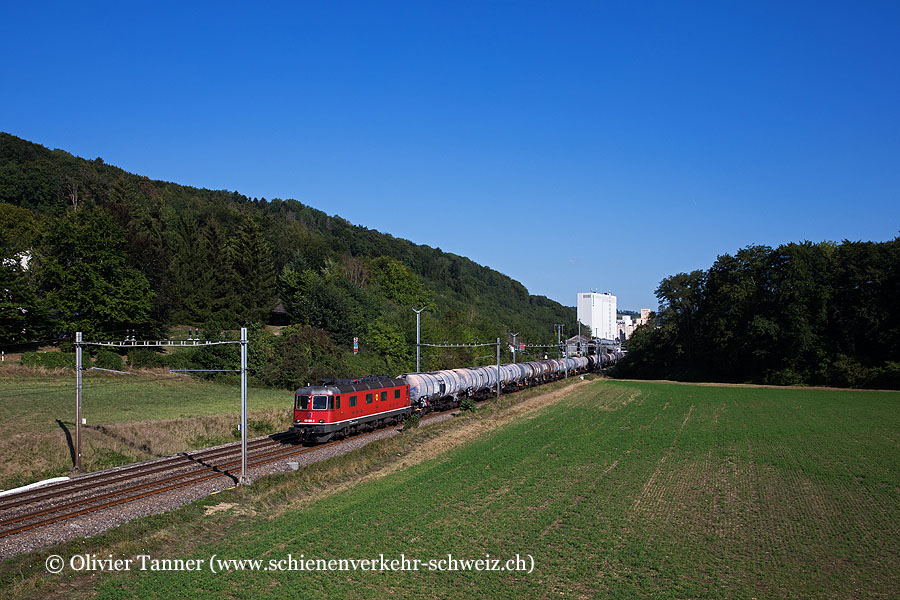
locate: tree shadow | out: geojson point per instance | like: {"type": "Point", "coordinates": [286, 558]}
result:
{"type": "Point", "coordinates": [64, 425]}
{"type": "Point", "coordinates": [124, 440]}
{"type": "Point", "coordinates": [212, 467]}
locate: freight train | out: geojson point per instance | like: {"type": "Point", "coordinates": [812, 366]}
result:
{"type": "Point", "coordinates": [342, 407]}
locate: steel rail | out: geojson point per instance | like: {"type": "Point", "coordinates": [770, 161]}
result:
{"type": "Point", "coordinates": [103, 478]}
{"type": "Point", "coordinates": [278, 455]}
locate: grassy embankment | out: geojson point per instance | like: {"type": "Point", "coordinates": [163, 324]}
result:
{"type": "Point", "coordinates": [129, 418]}
{"type": "Point", "coordinates": [617, 489]}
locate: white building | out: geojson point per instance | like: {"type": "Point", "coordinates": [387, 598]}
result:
{"type": "Point", "coordinates": [624, 328]}
{"type": "Point", "coordinates": [598, 311]}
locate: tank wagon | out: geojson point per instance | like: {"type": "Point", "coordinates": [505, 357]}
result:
{"type": "Point", "coordinates": [338, 408]}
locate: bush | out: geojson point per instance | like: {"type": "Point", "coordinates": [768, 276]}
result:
{"type": "Point", "coordinates": [412, 421]}
{"type": "Point", "coordinates": [31, 359]}
{"type": "Point", "coordinates": [143, 358]}
{"type": "Point", "coordinates": [53, 360]}
{"type": "Point", "coordinates": [49, 360]}
{"type": "Point", "coordinates": [887, 376]}
{"type": "Point", "coordinates": [260, 427]}
{"type": "Point", "coordinates": [467, 404]}
{"type": "Point", "coordinates": [107, 359]}
{"type": "Point", "coordinates": [180, 359]}
{"type": "Point", "coordinates": [845, 371]}
{"type": "Point", "coordinates": [299, 355]}
{"type": "Point", "coordinates": [783, 377]}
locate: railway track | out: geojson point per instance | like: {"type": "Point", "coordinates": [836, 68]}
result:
{"type": "Point", "coordinates": [58, 502]}
{"type": "Point", "coordinates": [43, 506]}
{"type": "Point", "coordinates": [104, 478]}
{"type": "Point", "coordinates": [42, 510]}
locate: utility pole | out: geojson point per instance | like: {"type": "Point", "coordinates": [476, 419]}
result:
{"type": "Point", "coordinates": [418, 344]}
{"type": "Point", "coordinates": [559, 327]}
{"type": "Point", "coordinates": [244, 479]}
{"type": "Point", "coordinates": [78, 401]}
{"type": "Point", "coordinates": [498, 367]}
{"type": "Point", "coordinates": [514, 347]}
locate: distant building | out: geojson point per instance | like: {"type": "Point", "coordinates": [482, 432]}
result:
{"type": "Point", "coordinates": [624, 328]}
{"type": "Point", "coordinates": [577, 345]}
{"type": "Point", "coordinates": [598, 312]}
{"type": "Point", "coordinates": [625, 325]}
{"type": "Point", "coordinates": [279, 315]}
{"type": "Point", "coordinates": [645, 316]}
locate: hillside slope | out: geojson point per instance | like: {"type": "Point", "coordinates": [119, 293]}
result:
{"type": "Point", "coordinates": [110, 250]}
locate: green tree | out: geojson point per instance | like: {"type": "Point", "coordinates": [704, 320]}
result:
{"type": "Point", "coordinates": [802, 313]}
{"type": "Point", "coordinates": [300, 355]}
{"type": "Point", "coordinates": [202, 274]}
{"type": "Point", "coordinates": [204, 258]}
{"type": "Point", "coordinates": [311, 300]}
{"type": "Point", "coordinates": [252, 272]}
{"type": "Point", "coordinates": [83, 277]}
{"type": "Point", "coordinates": [738, 327]}
{"type": "Point", "coordinates": [19, 308]}
{"type": "Point", "coordinates": [398, 283]}
{"type": "Point", "coordinates": [388, 340]}
{"type": "Point", "coordinates": [189, 273]}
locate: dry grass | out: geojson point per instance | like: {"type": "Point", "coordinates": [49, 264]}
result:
{"type": "Point", "coordinates": [36, 455]}
{"type": "Point", "coordinates": [128, 418]}
{"type": "Point", "coordinates": [16, 370]}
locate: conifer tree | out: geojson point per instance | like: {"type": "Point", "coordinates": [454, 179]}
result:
{"type": "Point", "coordinates": [252, 271]}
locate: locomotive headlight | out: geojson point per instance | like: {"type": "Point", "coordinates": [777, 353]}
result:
{"type": "Point", "coordinates": [321, 420]}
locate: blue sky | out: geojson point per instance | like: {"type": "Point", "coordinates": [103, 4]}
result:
{"type": "Point", "coordinates": [569, 145]}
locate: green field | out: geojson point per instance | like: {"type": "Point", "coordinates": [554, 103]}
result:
{"type": "Point", "coordinates": [617, 489]}
{"type": "Point", "coordinates": [129, 418]}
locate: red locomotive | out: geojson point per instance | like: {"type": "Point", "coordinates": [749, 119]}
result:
{"type": "Point", "coordinates": [344, 407]}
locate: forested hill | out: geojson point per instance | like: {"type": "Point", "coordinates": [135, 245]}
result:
{"type": "Point", "coordinates": [88, 246]}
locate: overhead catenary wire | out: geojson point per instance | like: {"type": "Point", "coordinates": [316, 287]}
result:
{"type": "Point", "coordinates": [131, 342]}
{"type": "Point", "coordinates": [205, 370]}
{"type": "Point", "coordinates": [462, 345]}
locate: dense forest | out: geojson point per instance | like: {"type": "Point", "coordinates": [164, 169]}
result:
{"type": "Point", "coordinates": [802, 313]}
{"type": "Point", "coordinates": [87, 246]}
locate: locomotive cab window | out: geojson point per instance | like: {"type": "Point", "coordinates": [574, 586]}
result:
{"type": "Point", "coordinates": [352, 401]}
{"type": "Point", "coordinates": [396, 393]}
{"type": "Point", "coordinates": [337, 402]}
{"type": "Point", "coordinates": [302, 402]}
{"type": "Point", "coordinates": [368, 398]}
{"type": "Point", "coordinates": [383, 396]}
{"type": "Point", "coordinates": [320, 402]}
